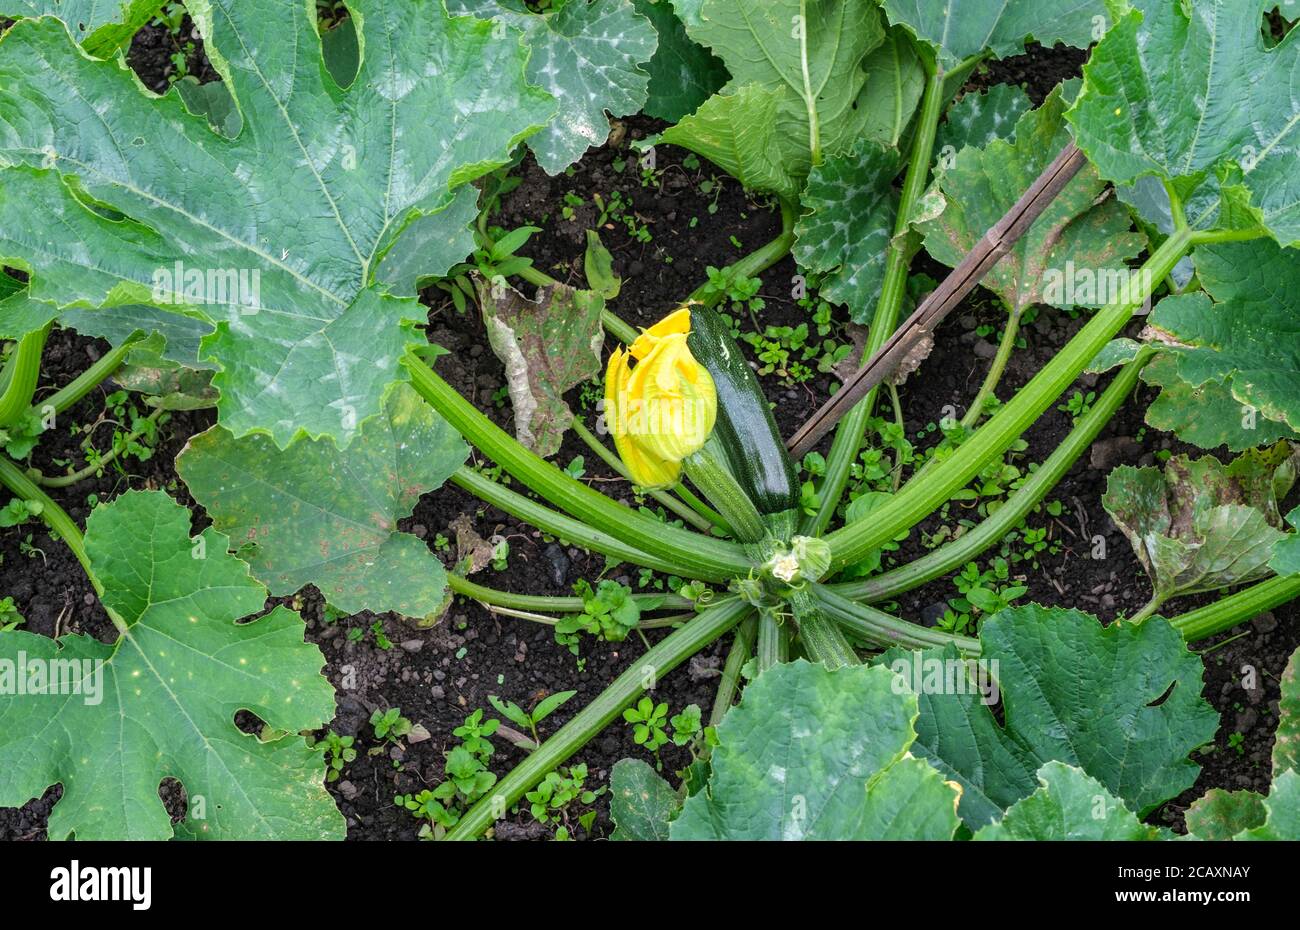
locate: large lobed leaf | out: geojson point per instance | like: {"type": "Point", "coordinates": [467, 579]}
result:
{"type": "Point", "coordinates": [1072, 691]}
{"type": "Point", "coordinates": [1187, 91]}
{"type": "Point", "coordinates": [1068, 804]}
{"type": "Point", "coordinates": [310, 196]}
{"type": "Point", "coordinates": [1083, 231]}
{"type": "Point", "coordinates": [171, 685]}
{"type": "Point", "coordinates": [1231, 374]}
{"type": "Point", "coordinates": [815, 754]}
{"type": "Point", "coordinates": [1200, 525]}
{"type": "Point", "coordinates": [588, 55]}
{"type": "Point", "coordinates": [315, 514]}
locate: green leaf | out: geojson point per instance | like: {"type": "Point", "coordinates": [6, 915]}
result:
{"type": "Point", "coordinates": [1033, 659]}
{"type": "Point", "coordinates": [213, 102]}
{"type": "Point", "coordinates": [767, 47]}
{"type": "Point", "coordinates": [430, 245]}
{"type": "Point", "coordinates": [1221, 815]}
{"type": "Point", "coordinates": [814, 754]}
{"type": "Point", "coordinates": [1163, 96]}
{"type": "Point", "coordinates": [961, 28]}
{"type": "Point", "coordinates": [175, 337]}
{"type": "Point", "coordinates": [1083, 234]}
{"type": "Point", "coordinates": [1069, 804]}
{"type": "Point", "coordinates": [845, 234]}
{"type": "Point", "coordinates": [981, 117]}
{"type": "Point", "coordinates": [160, 701]}
{"type": "Point", "coordinates": [101, 26]}
{"type": "Point", "coordinates": [303, 204]}
{"type": "Point", "coordinates": [1239, 337]}
{"type": "Point", "coordinates": [598, 267]}
{"type": "Point", "coordinates": [20, 315]}
{"type": "Point", "coordinates": [1199, 525]}
{"type": "Point", "coordinates": [548, 345]}
{"type": "Point", "coordinates": [737, 132]}
{"type": "Point", "coordinates": [895, 82]}
{"type": "Point", "coordinates": [1282, 810]}
{"type": "Point", "coordinates": [1206, 415]}
{"type": "Point", "coordinates": [641, 804]}
{"type": "Point", "coordinates": [1286, 553]}
{"type": "Point", "coordinates": [1286, 742]}
{"type": "Point", "coordinates": [683, 74]}
{"type": "Point", "coordinates": [314, 514]}
{"type": "Point", "coordinates": [588, 56]}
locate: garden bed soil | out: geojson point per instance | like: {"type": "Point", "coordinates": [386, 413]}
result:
{"type": "Point", "coordinates": [439, 675]}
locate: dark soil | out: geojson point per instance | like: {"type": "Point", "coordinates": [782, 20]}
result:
{"type": "Point", "coordinates": [438, 676]}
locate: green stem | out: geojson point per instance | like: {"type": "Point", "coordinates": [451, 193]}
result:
{"type": "Point", "coordinates": [697, 556]}
{"type": "Point", "coordinates": [12, 477]}
{"type": "Point", "coordinates": [64, 481]}
{"type": "Point", "coordinates": [773, 646]}
{"type": "Point", "coordinates": [722, 491]}
{"type": "Point", "coordinates": [670, 652]}
{"type": "Point", "coordinates": [742, 647]}
{"type": "Point", "coordinates": [757, 261]}
{"type": "Point", "coordinates": [704, 510]}
{"type": "Point", "coordinates": [1019, 503]}
{"type": "Point", "coordinates": [809, 99]}
{"type": "Point", "coordinates": [614, 462]}
{"type": "Point", "coordinates": [24, 368]}
{"type": "Point", "coordinates": [559, 605]}
{"type": "Point", "coordinates": [1157, 601]}
{"type": "Point", "coordinates": [1005, 348]}
{"type": "Point", "coordinates": [1246, 604]}
{"type": "Point", "coordinates": [882, 630]}
{"type": "Point", "coordinates": [1210, 237]}
{"type": "Point", "coordinates": [558, 524]}
{"type": "Point", "coordinates": [89, 379]}
{"type": "Point", "coordinates": [820, 634]}
{"type": "Point", "coordinates": [922, 496]}
{"type": "Point", "coordinates": [849, 434]}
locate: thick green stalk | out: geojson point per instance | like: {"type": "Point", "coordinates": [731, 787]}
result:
{"type": "Point", "coordinates": [24, 368]}
{"type": "Point", "coordinates": [921, 497]}
{"type": "Point", "coordinates": [560, 605]}
{"type": "Point", "coordinates": [773, 645]}
{"type": "Point", "coordinates": [613, 461]}
{"type": "Point", "coordinates": [12, 477]}
{"type": "Point", "coordinates": [1246, 604]}
{"type": "Point", "coordinates": [881, 629]}
{"type": "Point", "coordinates": [849, 433]}
{"type": "Point", "coordinates": [89, 379]}
{"type": "Point", "coordinates": [1019, 503]}
{"type": "Point", "coordinates": [559, 524]}
{"type": "Point", "coordinates": [642, 674]}
{"type": "Point", "coordinates": [742, 647]}
{"type": "Point", "coordinates": [696, 556]}
{"type": "Point", "coordinates": [820, 635]}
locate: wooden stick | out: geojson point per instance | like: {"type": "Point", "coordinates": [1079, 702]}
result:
{"type": "Point", "coordinates": [996, 243]}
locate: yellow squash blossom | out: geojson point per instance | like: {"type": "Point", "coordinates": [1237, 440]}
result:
{"type": "Point", "coordinates": [661, 410]}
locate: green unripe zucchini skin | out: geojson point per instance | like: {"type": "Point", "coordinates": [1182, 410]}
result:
{"type": "Point", "coordinates": [744, 427]}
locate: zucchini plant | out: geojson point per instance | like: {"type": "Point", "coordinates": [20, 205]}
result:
{"type": "Point", "coordinates": [270, 266]}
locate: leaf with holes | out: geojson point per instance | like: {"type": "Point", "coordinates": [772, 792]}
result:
{"type": "Point", "coordinates": [275, 236]}
{"type": "Point", "coordinates": [110, 721]}
{"type": "Point", "coordinates": [101, 26]}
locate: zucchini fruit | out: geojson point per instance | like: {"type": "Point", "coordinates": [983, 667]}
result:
{"type": "Point", "coordinates": [745, 429]}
